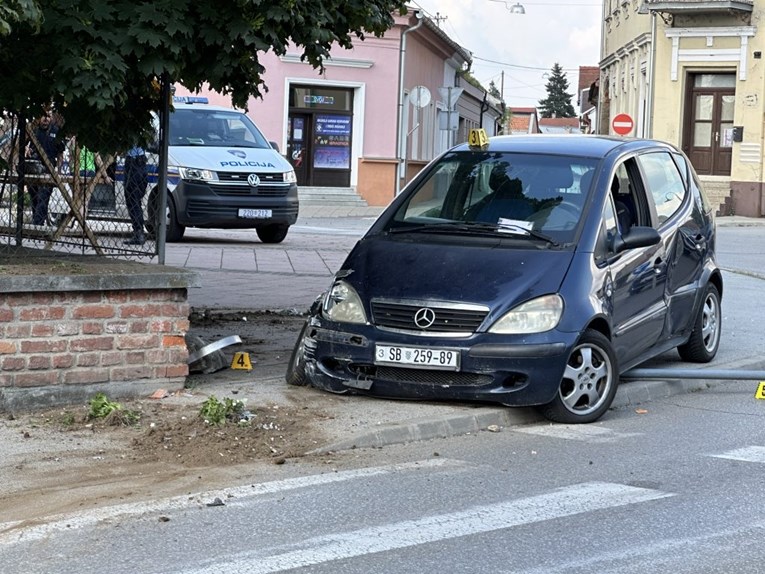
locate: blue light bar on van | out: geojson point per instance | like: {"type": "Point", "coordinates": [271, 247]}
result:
{"type": "Point", "coordinates": [190, 100]}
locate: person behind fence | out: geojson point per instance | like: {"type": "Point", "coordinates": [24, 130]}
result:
{"type": "Point", "coordinates": [136, 180]}
{"type": "Point", "coordinates": [45, 134]}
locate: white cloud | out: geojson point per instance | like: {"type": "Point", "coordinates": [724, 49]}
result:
{"type": "Point", "coordinates": [526, 46]}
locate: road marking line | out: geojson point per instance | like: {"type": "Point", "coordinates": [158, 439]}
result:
{"type": "Point", "coordinates": [15, 531]}
{"type": "Point", "coordinates": [566, 501]}
{"type": "Point", "coordinates": [746, 454]}
{"type": "Point", "coordinates": [585, 433]}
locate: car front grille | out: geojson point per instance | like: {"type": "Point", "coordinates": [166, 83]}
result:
{"type": "Point", "coordinates": [401, 316]}
{"type": "Point", "coordinates": [235, 183]}
{"type": "Point", "coordinates": [437, 378]}
{"type": "Point", "coordinates": [203, 209]}
{"type": "Point", "coordinates": [236, 176]}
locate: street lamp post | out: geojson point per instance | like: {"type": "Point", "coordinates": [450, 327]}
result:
{"type": "Point", "coordinates": [516, 8]}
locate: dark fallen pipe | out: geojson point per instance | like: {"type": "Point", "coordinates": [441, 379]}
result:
{"type": "Point", "coordinates": [727, 374]}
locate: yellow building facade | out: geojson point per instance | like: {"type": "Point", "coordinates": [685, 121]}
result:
{"type": "Point", "coordinates": [691, 73]}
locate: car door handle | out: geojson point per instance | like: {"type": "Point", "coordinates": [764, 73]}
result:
{"type": "Point", "coordinates": [657, 265]}
{"type": "Point", "coordinates": [701, 243]}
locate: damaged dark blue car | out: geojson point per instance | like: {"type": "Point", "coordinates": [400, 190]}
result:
{"type": "Point", "coordinates": [529, 271]}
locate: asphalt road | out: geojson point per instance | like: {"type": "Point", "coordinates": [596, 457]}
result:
{"type": "Point", "coordinates": [674, 489]}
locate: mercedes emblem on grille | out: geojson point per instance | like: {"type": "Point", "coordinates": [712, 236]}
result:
{"type": "Point", "coordinates": [424, 318]}
{"type": "Point", "coordinates": [253, 180]}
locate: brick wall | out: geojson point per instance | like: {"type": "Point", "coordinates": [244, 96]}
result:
{"type": "Point", "coordinates": [124, 340]}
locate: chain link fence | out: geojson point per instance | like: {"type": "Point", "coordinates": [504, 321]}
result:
{"type": "Point", "coordinates": [57, 195]}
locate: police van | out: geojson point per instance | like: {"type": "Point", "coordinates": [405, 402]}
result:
{"type": "Point", "coordinates": [222, 173]}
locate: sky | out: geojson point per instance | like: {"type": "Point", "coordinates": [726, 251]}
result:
{"type": "Point", "coordinates": [523, 46]}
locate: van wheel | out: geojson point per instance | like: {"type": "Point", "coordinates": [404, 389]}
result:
{"type": "Point", "coordinates": [705, 338]}
{"type": "Point", "coordinates": [272, 233]}
{"type": "Point", "coordinates": [175, 230]}
{"type": "Point", "coordinates": [589, 382]}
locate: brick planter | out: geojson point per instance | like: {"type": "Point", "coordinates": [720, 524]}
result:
{"type": "Point", "coordinates": [72, 326]}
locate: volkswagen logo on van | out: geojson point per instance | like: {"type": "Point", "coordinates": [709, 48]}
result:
{"type": "Point", "coordinates": [424, 318]}
{"type": "Point", "coordinates": [253, 180]}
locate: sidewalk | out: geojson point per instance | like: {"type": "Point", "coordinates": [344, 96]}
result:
{"type": "Point", "coordinates": [255, 276]}
{"type": "Point", "coordinates": [252, 276]}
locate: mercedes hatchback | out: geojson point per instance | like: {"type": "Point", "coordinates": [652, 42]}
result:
{"type": "Point", "coordinates": [529, 271]}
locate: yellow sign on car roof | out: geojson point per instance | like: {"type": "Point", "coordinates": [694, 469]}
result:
{"type": "Point", "coordinates": [477, 139]}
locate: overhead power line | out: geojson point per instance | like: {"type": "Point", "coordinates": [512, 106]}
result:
{"type": "Point", "coordinates": [547, 69]}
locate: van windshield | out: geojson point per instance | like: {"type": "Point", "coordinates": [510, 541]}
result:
{"type": "Point", "coordinates": [530, 195]}
{"type": "Point", "coordinates": [214, 128]}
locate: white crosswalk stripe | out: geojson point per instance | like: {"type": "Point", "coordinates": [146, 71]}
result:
{"type": "Point", "coordinates": [11, 532]}
{"type": "Point", "coordinates": [566, 501]}
{"type": "Point", "coordinates": [583, 433]}
{"type": "Point", "coordinates": [746, 454]}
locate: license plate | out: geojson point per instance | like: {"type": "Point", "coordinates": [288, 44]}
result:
{"type": "Point", "coordinates": [445, 359]}
{"type": "Point", "coordinates": [255, 213]}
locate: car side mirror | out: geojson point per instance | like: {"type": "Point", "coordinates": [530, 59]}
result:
{"type": "Point", "coordinates": [274, 145]}
{"type": "Point", "coordinates": [637, 237]}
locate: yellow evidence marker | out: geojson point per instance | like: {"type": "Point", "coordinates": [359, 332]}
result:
{"type": "Point", "coordinates": [478, 139]}
{"type": "Point", "coordinates": [241, 361]}
{"type": "Point", "coordinates": [760, 393]}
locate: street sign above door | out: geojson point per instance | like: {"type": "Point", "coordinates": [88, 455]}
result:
{"type": "Point", "coordinates": [622, 124]}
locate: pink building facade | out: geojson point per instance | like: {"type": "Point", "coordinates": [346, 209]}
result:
{"type": "Point", "coordinates": [375, 115]}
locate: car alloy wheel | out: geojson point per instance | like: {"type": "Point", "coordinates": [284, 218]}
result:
{"type": "Point", "coordinates": [589, 382]}
{"type": "Point", "coordinates": [704, 341]}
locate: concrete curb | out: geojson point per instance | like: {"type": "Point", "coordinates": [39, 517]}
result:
{"type": "Point", "coordinates": [629, 394]}
{"type": "Point", "coordinates": [435, 427]}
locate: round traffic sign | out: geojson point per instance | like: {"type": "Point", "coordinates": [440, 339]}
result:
{"type": "Point", "coordinates": [622, 124]}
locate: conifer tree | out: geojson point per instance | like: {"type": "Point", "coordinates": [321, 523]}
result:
{"type": "Point", "coordinates": [557, 104]}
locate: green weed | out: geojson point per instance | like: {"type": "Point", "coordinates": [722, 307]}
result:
{"type": "Point", "coordinates": [112, 412]}
{"type": "Point", "coordinates": [216, 412]}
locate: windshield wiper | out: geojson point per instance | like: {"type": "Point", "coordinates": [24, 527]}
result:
{"type": "Point", "coordinates": [506, 227]}
{"type": "Point", "coordinates": [476, 228]}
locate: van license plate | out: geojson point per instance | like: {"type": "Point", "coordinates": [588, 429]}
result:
{"type": "Point", "coordinates": [255, 213]}
{"type": "Point", "coordinates": [445, 359]}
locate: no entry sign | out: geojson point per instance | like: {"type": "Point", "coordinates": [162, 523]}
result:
{"type": "Point", "coordinates": [622, 124]}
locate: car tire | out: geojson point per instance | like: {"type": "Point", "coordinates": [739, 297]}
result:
{"type": "Point", "coordinates": [704, 341]}
{"type": "Point", "coordinates": [296, 374]}
{"type": "Point", "coordinates": [272, 233]}
{"type": "Point", "coordinates": [174, 230]}
{"type": "Point", "coordinates": [589, 382]}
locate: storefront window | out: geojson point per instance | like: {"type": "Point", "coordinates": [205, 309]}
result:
{"type": "Point", "coordinates": [332, 142]}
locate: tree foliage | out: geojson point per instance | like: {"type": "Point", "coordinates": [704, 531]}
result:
{"type": "Point", "coordinates": [98, 61]}
{"type": "Point", "coordinates": [16, 11]}
{"type": "Point", "coordinates": [494, 90]}
{"type": "Point", "coordinates": [558, 102]}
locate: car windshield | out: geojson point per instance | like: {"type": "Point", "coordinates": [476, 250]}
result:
{"type": "Point", "coordinates": [521, 195]}
{"type": "Point", "coordinates": [214, 128]}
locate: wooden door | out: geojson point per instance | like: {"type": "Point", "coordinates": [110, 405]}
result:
{"type": "Point", "coordinates": [708, 135]}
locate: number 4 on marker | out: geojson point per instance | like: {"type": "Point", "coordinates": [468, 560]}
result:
{"type": "Point", "coordinates": [241, 361]}
{"type": "Point", "coordinates": [760, 394]}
